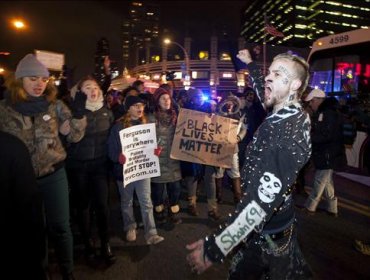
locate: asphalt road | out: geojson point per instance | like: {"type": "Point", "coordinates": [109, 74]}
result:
{"type": "Point", "coordinates": [326, 242]}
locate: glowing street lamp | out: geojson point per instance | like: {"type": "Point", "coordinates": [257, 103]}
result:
{"type": "Point", "coordinates": [187, 61]}
{"type": "Point", "coordinates": [18, 24]}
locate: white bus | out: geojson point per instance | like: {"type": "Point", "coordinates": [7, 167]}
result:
{"type": "Point", "coordinates": [340, 66]}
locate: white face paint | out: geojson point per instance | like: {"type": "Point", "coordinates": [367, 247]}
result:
{"type": "Point", "coordinates": [269, 187]}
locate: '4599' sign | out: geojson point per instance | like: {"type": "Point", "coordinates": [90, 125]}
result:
{"type": "Point", "coordinates": [339, 39]}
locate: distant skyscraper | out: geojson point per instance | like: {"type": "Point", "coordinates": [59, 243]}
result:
{"type": "Point", "coordinates": [102, 50]}
{"type": "Point", "coordinates": [303, 21]}
{"type": "Point", "coordinates": [140, 32]}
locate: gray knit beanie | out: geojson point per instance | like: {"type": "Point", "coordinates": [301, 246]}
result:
{"type": "Point", "coordinates": [29, 66]}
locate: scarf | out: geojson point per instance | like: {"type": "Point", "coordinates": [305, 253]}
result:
{"type": "Point", "coordinates": [94, 106]}
{"type": "Point", "coordinates": [32, 106]}
{"type": "Point", "coordinates": [164, 117]}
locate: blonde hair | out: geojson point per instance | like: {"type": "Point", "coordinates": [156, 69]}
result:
{"type": "Point", "coordinates": [17, 93]}
{"type": "Point", "coordinates": [301, 67]}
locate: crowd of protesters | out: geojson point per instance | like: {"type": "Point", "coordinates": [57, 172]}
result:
{"type": "Point", "coordinates": [74, 146]}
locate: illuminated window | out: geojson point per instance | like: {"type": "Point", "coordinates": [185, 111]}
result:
{"type": "Point", "coordinates": [198, 75]}
{"type": "Point", "coordinates": [156, 76]}
{"type": "Point", "coordinates": [177, 75]}
{"type": "Point", "coordinates": [225, 56]}
{"type": "Point", "coordinates": [227, 75]}
{"type": "Point", "coordinates": [203, 55]}
{"type": "Point", "coordinates": [155, 58]}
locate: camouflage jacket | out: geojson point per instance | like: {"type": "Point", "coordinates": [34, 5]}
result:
{"type": "Point", "coordinates": [41, 133]}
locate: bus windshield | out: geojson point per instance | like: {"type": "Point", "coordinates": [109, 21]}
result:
{"type": "Point", "coordinates": [342, 71]}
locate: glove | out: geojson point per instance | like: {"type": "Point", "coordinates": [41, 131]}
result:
{"type": "Point", "coordinates": [122, 158]}
{"type": "Point", "coordinates": [78, 105]}
{"type": "Point", "coordinates": [158, 151]}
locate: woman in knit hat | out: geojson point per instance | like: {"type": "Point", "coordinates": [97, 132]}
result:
{"type": "Point", "coordinates": [87, 169]}
{"type": "Point", "coordinates": [134, 115]}
{"type": "Point", "coordinates": [165, 119]}
{"type": "Point", "coordinates": [31, 112]}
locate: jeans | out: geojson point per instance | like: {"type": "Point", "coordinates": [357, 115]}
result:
{"type": "Point", "coordinates": [322, 185]}
{"type": "Point", "coordinates": [142, 189]}
{"type": "Point", "coordinates": [54, 188]}
{"type": "Point", "coordinates": [173, 192]}
{"type": "Point", "coordinates": [209, 183]}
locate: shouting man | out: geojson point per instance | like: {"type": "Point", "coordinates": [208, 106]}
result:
{"type": "Point", "coordinates": [262, 231]}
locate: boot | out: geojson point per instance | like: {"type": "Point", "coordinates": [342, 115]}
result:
{"type": "Point", "coordinates": [213, 209]}
{"type": "Point", "coordinates": [107, 254]}
{"type": "Point", "coordinates": [192, 208]}
{"type": "Point", "coordinates": [236, 190]}
{"type": "Point", "coordinates": [90, 253]}
{"type": "Point", "coordinates": [219, 190]}
{"type": "Point", "coordinates": [159, 214]}
{"type": "Point", "coordinates": [173, 215]}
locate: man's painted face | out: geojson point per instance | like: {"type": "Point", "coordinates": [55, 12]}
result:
{"type": "Point", "coordinates": [35, 86]}
{"type": "Point", "coordinates": [91, 89]}
{"type": "Point", "coordinates": [278, 81]}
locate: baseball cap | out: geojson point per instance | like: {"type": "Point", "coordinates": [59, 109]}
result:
{"type": "Point", "coordinates": [315, 93]}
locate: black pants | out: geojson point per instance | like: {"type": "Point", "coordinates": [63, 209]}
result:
{"type": "Point", "coordinates": [256, 260]}
{"type": "Point", "coordinates": [89, 190]}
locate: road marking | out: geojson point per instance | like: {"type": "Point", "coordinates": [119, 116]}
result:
{"type": "Point", "coordinates": [355, 204]}
{"type": "Point", "coordinates": [359, 211]}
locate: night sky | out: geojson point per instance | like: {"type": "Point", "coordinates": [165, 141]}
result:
{"type": "Point", "coordinates": [74, 27]}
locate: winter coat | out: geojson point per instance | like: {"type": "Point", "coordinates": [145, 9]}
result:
{"type": "Point", "coordinates": [280, 148]}
{"type": "Point", "coordinates": [41, 133]}
{"type": "Point", "coordinates": [94, 144]}
{"type": "Point", "coordinates": [115, 148]}
{"type": "Point", "coordinates": [170, 168]}
{"type": "Point", "coordinates": [328, 151]}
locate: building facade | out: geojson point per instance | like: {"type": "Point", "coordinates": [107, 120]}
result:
{"type": "Point", "coordinates": [210, 68]}
{"type": "Point", "coordinates": [140, 32]}
{"type": "Point", "coordinates": [303, 21]}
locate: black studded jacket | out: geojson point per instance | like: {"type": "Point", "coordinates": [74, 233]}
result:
{"type": "Point", "coordinates": [280, 148]}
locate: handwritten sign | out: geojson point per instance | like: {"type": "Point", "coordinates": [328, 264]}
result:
{"type": "Point", "coordinates": [138, 144]}
{"type": "Point", "coordinates": [204, 138]}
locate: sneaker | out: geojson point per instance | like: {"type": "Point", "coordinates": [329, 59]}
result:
{"type": "Point", "coordinates": [213, 214]}
{"type": "Point", "coordinates": [154, 239]}
{"type": "Point", "coordinates": [131, 235]}
{"type": "Point", "coordinates": [362, 247]}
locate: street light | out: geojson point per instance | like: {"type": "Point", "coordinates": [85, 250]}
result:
{"type": "Point", "coordinates": [18, 24]}
{"type": "Point", "coordinates": [187, 61]}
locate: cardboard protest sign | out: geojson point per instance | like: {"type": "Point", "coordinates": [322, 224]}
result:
{"type": "Point", "coordinates": [204, 138]}
{"type": "Point", "coordinates": [138, 144]}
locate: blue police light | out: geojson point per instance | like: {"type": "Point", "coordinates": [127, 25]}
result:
{"type": "Point", "coordinates": [205, 97]}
